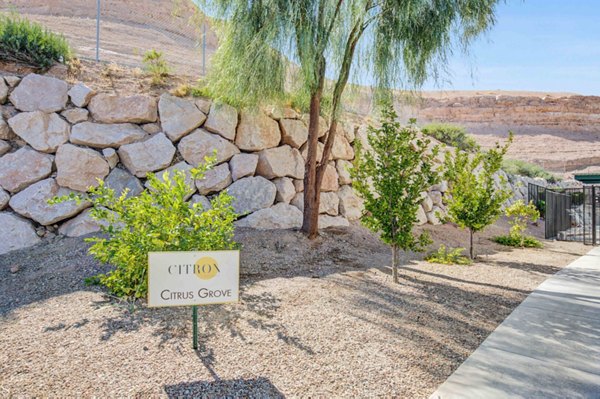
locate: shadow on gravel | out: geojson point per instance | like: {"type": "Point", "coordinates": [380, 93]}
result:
{"type": "Point", "coordinates": [238, 388]}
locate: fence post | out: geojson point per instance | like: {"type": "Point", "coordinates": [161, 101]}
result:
{"type": "Point", "coordinates": [97, 30]}
{"type": "Point", "coordinates": [593, 215]}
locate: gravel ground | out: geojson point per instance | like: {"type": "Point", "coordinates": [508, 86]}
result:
{"type": "Point", "coordinates": [316, 319]}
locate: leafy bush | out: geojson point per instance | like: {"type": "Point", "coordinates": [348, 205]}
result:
{"type": "Point", "coordinates": [522, 168]}
{"type": "Point", "coordinates": [157, 66]}
{"type": "Point", "coordinates": [448, 256]}
{"type": "Point", "coordinates": [31, 44]}
{"type": "Point", "coordinates": [453, 135]}
{"type": "Point", "coordinates": [515, 241]}
{"type": "Point", "coordinates": [157, 220]}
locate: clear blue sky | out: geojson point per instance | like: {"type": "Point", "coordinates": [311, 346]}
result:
{"type": "Point", "coordinates": [536, 45]}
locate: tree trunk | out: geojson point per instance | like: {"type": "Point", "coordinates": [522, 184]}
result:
{"type": "Point", "coordinates": [471, 245]}
{"type": "Point", "coordinates": [395, 263]}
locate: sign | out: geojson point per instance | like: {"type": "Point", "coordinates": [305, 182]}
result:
{"type": "Point", "coordinates": [193, 278]}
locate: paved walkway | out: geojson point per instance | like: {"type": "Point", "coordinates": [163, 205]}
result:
{"type": "Point", "coordinates": [549, 346]}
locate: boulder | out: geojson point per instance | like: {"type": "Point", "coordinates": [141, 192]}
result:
{"type": "Point", "coordinates": [3, 91]}
{"type": "Point", "coordinates": [81, 95]}
{"type": "Point", "coordinates": [323, 126]}
{"type": "Point", "coordinates": [329, 203]}
{"type": "Point", "coordinates": [79, 168]}
{"type": "Point", "coordinates": [343, 170]}
{"type": "Point", "coordinates": [222, 120]}
{"type": "Point", "coordinates": [427, 203]}
{"type": "Point", "coordinates": [443, 186]}
{"type": "Point", "coordinates": [81, 225]}
{"type": "Point", "coordinates": [120, 180]}
{"type": "Point", "coordinates": [204, 104]}
{"type": "Point", "coordinates": [44, 132]}
{"type": "Point", "coordinates": [147, 156]}
{"type": "Point", "coordinates": [242, 165]}
{"type": "Point", "coordinates": [421, 216]}
{"type": "Point", "coordinates": [40, 93]}
{"type": "Point", "coordinates": [434, 217]}
{"type": "Point", "coordinates": [341, 148]}
{"type": "Point", "coordinates": [330, 179]}
{"type": "Point", "coordinates": [320, 148]}
{"type": "Point", "coordinates": [326, 221]}
{"type": "Point", "coordinates": [151, 128]}
{"type": "Point", "coordinates": [436, 197]}
{"type": "Point", "coordinates": [109, 108]}
{"type": "Point", "coordinates": [33, 203]}
{"type": "Point", "coordinates": [12, 81]}
{"type": "Point", "coordinates": [100, 135]}
{"type": "Point", "coordinates": [23, 167]}
{"type": "Point", "coordinates": [278, 113]}
{"type": "Point", "coordinates": [178, 116]}
{"type": "Point", "coordinates": [4, 198]}
{"type": "Point", "coordinates": [280, 162]}
{"type": "Point", "coordinates": [196, 146]}
{"type": "Point", "coordinates": [215, 180]}
{"type": "Point", "coordinates": [285, 189]}
{"type": "Point", "coordinates": [202, 200]}
{"type": "Point", "coordinates": [251, 194]}
{"type": "Point", "coordinates": [4, 147]}
{"type": "Point", "coordinates": [351, 205]}
{"type": "Point", "coordinates": [180, 166]}
{"type": "Point", "coordinates": [76, 115]}
{"type": "Point", "coordinates": [16, 233]}
{"type": "Point", "coordinates": [111, 157]}
{"type": "Point", "coordinates": [299, 185]}
{"type": "Point", "coordinates": [293, 132]}
{"type": "Point", "coordinates": [5, 133]}
{"type": "Point", "coordinates": [256, 132]}
{"type": "Point", "coordinates": [279, 216]}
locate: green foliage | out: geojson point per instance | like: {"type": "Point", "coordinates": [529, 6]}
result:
{"type": "Point", "coordinates": [159, 219]}
{"type": "Point", "coordinates": [518, 241]}
{"type": "Point", "coordinates": [522, 168]}
{"type": "Point", "coordinates": [520, 215]}
{"type": "Point", "coordinates": [31, 44]}
{"type": "Point", "coordinates": [453, 135]}
{"type": "Point", "coordinates": [156, 66]}
{"type": "Point", "coordinates": [390, 178]}
{"type": "Point", "coordinates": [474, 201]}
{"type": "Point", "coordinates": [448, 256]}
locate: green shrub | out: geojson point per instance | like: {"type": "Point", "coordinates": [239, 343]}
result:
{"type": "Point", "coordinates": [448, 256]}
{"type": "Point", "coordinates": [156, 66]}
{"type": "Point", "coordinates": [518, 241]}
{"type": "Point", "coordinates": [453, 135]}
{"type": "Point", "coordinates": [522, 168]}
{"type": "Point", "coordinates": [29, 43]}
{"type": "Point", "coordinates": [159, 219]}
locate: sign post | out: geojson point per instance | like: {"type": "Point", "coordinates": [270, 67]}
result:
{"type": "Point", "coordinates": [193, 278]}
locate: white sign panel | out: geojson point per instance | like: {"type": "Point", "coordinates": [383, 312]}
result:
{"type": "Point", "coordinates": [193, 278]}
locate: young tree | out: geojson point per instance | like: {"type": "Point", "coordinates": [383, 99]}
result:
{"type": "Point", "coordinates": [391, 179]}
{"type": "Point", "coordinates": [397, 43]}
{"type": "Point", "coordinates": [520, 214]}
{"type": "Point", "coordinates": [474, 201]}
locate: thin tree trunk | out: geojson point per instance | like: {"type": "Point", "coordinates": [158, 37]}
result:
{"type": "Point", "coordinates": [471, 245]}
{"type": "Point", "coordinates": [395, 263]}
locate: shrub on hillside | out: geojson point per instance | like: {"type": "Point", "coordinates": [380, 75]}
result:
{"type": "Point", "coordinates": [522, 168]}
{"type": "Point", "coordinates": [453, 135]}
{"type": "Point", "coordinates": [29, 43]}
{"type": "Point", "coordinates": [156, 66]}
{"type": "Point", "coordinates": [448, 256]}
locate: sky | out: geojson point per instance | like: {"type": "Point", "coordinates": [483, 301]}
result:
{"type": "Point", "coordinates": [536, 45]}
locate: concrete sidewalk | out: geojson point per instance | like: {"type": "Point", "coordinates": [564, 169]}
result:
{"type": "Point", "coordinates": [549, 346]}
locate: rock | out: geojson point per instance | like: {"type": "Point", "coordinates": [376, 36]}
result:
{"type": "Point", "coordinates": [348, 130]}
{"type": "Point", "coordinates": [427, 203]}
{"type": "Point", "coordinates": [242, 165]}
{"type": "Point", "coordinates": [120, 180]}
{"type": "Point", "coordinates": [178, 116]}
{"type": "Point", "coordinates": [16, 233]}
{"type": "Point", "coordinates": [202, 200]}
{"type": "Point", "coordinates": [326, 221]}
{"type": "Point", "coordinates": [342, 168]}
{"type": "Point", "coordinates": [330, 179]}
{"type": "Point", "coordinates": [75, 115]}
{"type": "Point", "coordinates": [280, 162]}
{"type": "Point", "coordinates": [204, 104]}
{"type": "Point", "coordinates": [100, 135]}
{"type": "Point", "coordinates": [200, 144]}
{"type": "Point", "coordinates": [81, 95]}
{"type": "Point", "coordinates": [222, 120]}
{"type": "Point", "coordinates": [215, 180]}
{"type": "Point", "coordinates": [421, 216]}
{"type": "Point", "coordinates": [323, 126]}
{"type": "Point", "coordinates": [23, 167]}
{"type": "Point", "coordinates": [12, 81]}
{"type": "Point", "coordinates": [256, 132]}
{"type": "Point", "coordinates": [3, 91]}
{"type": "Point", "coordinates": [436, 197]}
{"type": "Point", "coordinates": [285, 189]}
{"type": "Point", "coordinates": [251, 194]}
{"type": "Point", "coordinates": [183, 166]}
{"type": "Point", "coordinates": [329, 203]}
{"type": "Point", "coordinates": [442, 186]}
{"type": "Point", "coordinates": [351, 205]}
{"type": "Point", "coordinates": [4, 198]}
{"type": "Point", "coordinates": [341, 148]}
{"type": "Point", "coordinates": [40, 93]}
{"type": "Point", "coordinates": [33, 203]}
{"type": "Point", "coordinates": [116, 109]}
{"type": "Point", "coordinates": [147, 156]}
{"type": "Point", "coordinates": [4, 147]}
{"type": "Point", "coordinates": [81, 225]}
{"type": "Point", "coordinates": [299, 185]}
{"type": "Point", "coordinates": [320, 148]}
{"type": "Point", "coordinates": [279, 216]}
{"type": "Point", "coordinates": [44, 132]}
{"type": "Point", "coordinates": [434, 217]}
{"type": "Point", "coordinates": [278, 113]}
{"type": "Point", "coordinates": [111, 157]}
{"type": "Point", "coordinates": [151, 128]}
{"type": "Point", "coordinates": [15, 269]}
{"type": "Point", "coordinates": [79, 168]}
{"type": "Point", "coordinates": [5, 133]}
{"type": "Point", "coordinates": [293, 132]}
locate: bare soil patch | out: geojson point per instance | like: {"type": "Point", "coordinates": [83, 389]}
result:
{"type": "Point", "coordinates": [316, 319]}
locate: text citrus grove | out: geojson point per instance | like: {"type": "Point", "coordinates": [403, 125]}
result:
{"type": "Point", "coordinates": [202, 293]}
